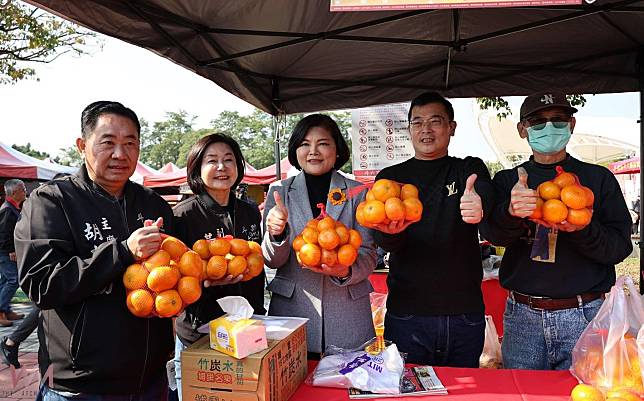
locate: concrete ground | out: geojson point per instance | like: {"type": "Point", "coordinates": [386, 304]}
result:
{"type": "Point", "coordinates": [20, 384]}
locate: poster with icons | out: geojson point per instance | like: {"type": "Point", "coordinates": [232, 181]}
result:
{"type": "Point", "coordinates": [380, 138]}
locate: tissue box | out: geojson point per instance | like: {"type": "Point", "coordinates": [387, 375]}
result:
{"type": "Point", "coordinates": [238, 338]}
{"type": "Point", "coordinates": [273, 374]}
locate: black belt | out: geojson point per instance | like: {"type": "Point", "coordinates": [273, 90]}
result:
{"type": "Point", "coordinates": [546, 303]}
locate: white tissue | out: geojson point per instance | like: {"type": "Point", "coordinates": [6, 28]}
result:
{"type": "Point", "coordinates": [236, 307]}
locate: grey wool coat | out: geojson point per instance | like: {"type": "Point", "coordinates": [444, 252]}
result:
{"type": "Point", "coordinates": [339, 311]}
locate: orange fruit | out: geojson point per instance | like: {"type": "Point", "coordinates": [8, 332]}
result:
{"type": "Point", "coordinates": [313, 223]}
{"type": "Point", "coordinates": [538, 213]}
{"type": "Point", "coordinates": [374, 212]}
{"type": "Point", "coordinates": [255, 247]}
{"type": "Point", "coordinates": [384, 189]}
{"type": "Point", "coordinates": [217, 267]}
{"type": "Point", "coordinates": [554, 211]}
{"type": "Point", "coordinates": [310, 235]}
{"type": "Point", "coordinates": [135, 277]}
{"type": "Point", "coordinates": [255, 262]}
{"type": "Point", "coordinates": [548, 190]}
{"type": "Point", "coordinates": [140, 302]}
{"type": "Point", "coordinates": [202, 248]}
{"type": "Point", "coordinates": [239, 247]}
{"type": "Point", "coordinates": [565, 179]}
{"type": "Point", "coordinates": [168, 303]}
{"type": "Point", "coordinates": [162, 278]}
{"type": "Point", "coordinates": [189, 289]}
{"type": "Point", "coordinates": [360, 213]}
{"type": "Point", "coordinates": [190, 264]}
{"type": "Point", "coordinates": [310, 254]}
{"type": "Point", "coordinates": [355, 239]}
{"type": "Point", "coordinates": [395, 209]}
{"type": "Point", "coordinates": [347, 254]}
{"type": "Point", "coordinates": [174, 247]}
{"type": "Point", "coordinates": [298, 242]}
{"type": "Point", "coordinates": [204, 269]}
{"type": "Point", "coordinates": [219, 246]}
{"type": "Point", "coordinates": [343, 234]}
{"type": "Point", "coordinates": [369, 196]}
{"type": "Point", "coordinates": [329, 257]}
{"type": "Point", "coordinates": [584, 392]}
{"type": "Point", "coordinates": [328, 239]}
{"type": "Point", "coordinates": [237, 265]}
{"type": "Point", "coordinates": [326, 223]}
{"type": "Point", "coordinates": [413, 209]}
{"type": "Point", "coordinates": [579, 217]}
{"type": "Point", "coordinates": [590, 197]}
{"type": "Point", "coordinates": [574, 196]}
{"type": "Point", "coordinates": [622, 393]}
{"type": "Point", "coordinates": [159, 258]}
{"type": "Point", "coordinates": [408, 191]}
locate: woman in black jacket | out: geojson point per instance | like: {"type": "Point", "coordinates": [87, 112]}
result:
{"type": "Point", "coordinates": [215, 168]}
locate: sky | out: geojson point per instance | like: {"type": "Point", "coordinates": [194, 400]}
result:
{"type": "Point", "coordinates": [46, 113]}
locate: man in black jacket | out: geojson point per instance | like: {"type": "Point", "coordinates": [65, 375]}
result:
{"type": "Point", "coordinates": [435, 309]}
{"type": "Point", "coordinates": [15, 193]}
{"type": "Point", "coordinates": [556, 274]}
{"type": "Point", "coordinates": [76, 237]}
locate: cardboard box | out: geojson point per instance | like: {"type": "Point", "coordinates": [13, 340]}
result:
{"type": "Point", "coordinates": [270, 375]}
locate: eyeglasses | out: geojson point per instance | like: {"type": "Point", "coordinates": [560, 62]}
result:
{"type": "Point", "coordinates": [539, 123]}
{"type": "Point", "coordinates": [434, 122]}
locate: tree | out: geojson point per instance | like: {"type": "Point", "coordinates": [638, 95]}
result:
{"type": "Point", "coordinates": [29, 151]}
{"type": "Point", "coordinates": [69, 157]}
{"type": "Point", "coordinates": [30, 35]}
{"type": "Point", "coordinates": [163, 142]}
{"type": "Point", "coordinates": [503, 107]}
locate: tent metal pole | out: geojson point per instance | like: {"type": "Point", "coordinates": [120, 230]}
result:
{"type": "Point", "coordinates": [275, 95]}
{"type": "Point", "coordinates": [640, 66]}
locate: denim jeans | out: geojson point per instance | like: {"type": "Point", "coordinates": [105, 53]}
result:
{"type": "Point", "coordinates": [542, 340]}
{"type": "Point", "coordinates": [156, 391]}
{"type": "Point", "coordinates": [8, 281]}
{"type": "Point", "coordinates": [444, 340]}
{"type": "Point", "coordinates": [178, 347]}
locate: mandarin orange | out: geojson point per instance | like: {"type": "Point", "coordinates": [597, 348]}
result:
{"type": "Point", "coordinates": [219, 247]}
{"type": "Point", "coordinates": [189, 289]}
{"type": "Point", "coordinates": [168, 303]}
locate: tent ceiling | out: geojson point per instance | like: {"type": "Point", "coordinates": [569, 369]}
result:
{"type": "Point", "coordinates": [296, 56]}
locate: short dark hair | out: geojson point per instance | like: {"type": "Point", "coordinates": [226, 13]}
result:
{"type": "Point", "coordinates": [321, 121]}
{"type": "Point", "coordinates": [195, 157]}
{"type": "Point", "coordinates": [431, 97]}
{"type": "Point", "coordinates": [92, 112]}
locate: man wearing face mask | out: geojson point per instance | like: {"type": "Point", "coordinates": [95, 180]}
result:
{"type": "Point", "coordinates": [552, 299]}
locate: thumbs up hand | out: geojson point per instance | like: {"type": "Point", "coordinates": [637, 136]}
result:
{"type": "Point", "coordinates": [277, 217]}
{"type": "Point", "coordinates": [523, 200]}
{"type": "Point", "coordinates": [471, 206]}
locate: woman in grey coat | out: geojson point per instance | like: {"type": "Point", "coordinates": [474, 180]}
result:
{"type": "Point", "coordinates": [335, 299]}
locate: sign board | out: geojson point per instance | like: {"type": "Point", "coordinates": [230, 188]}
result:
{"type": "Point", "coordinates": [382, 5]}
{"type": "Point", "coordinates": [380, 138]}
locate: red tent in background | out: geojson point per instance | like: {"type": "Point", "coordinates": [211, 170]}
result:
{"type": "Point", "coordinates": [267, 174]}
{"type": "Point", "coordinates": [174, 176]}
{"type": "Point", "coordinates": [170, 168]}
{"type": "Point", "coordinates": [14, 164]}
{"type": "Point", "coordinates": [628, 166]}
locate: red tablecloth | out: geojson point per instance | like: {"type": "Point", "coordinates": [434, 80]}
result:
{"type": "Point", "coordinates": [494, 297]}
{"type": "Point", "coordinates": [473, 384]}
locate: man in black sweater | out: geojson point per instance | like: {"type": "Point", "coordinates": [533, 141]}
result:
{"type": "Point", "coordinates": [435, 309]}
{"type": "Point", "coordinates": [15, 193]}
{"type": "Point", "coordinates": [553, 295]}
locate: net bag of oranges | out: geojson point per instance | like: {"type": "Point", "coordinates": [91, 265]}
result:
{"type": "Point", "coordinates": [608, 353]}
{"type": "Point", "coordinates": [326, 241]}
{"type": "Point", "coordinates": [564, 199]}
{"type": "Point", "coordinates": [388, 201]}
{"type": "Point", "coordinates": [169, 280]}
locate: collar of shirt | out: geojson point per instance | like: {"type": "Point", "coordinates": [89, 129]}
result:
{"type": "Point", "coordinates": [13, 202]}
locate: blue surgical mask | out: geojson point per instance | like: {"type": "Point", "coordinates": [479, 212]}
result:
{"type": "Point", "coordinates": [549, 139]}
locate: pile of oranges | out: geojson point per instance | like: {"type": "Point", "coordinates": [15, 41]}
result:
{"type": "Point", "coordinates": [585, 392]}
{"type": "Point", "coordinates": [389, 201]}
{"type": "Point", "coordinates": [564, 199]}
{"type": "Point", "coordinates": [326, 241]}
{"type": "Point", "coordinates": [169, 280]}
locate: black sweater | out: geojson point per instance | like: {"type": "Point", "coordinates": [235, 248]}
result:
{"type": "Point", "coordinates": [8, 218]}
{"type": "Point", "coordinates": [585, 259]}
{"type": "Point", "coordinates": [435, 264]}
{"type": "Point", "coordinates": [202, 217]}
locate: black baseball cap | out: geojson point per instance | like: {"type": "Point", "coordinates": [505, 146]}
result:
{"type": "Point", "coordinates": [545, 100]}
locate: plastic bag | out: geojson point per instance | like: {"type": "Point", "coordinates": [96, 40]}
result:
{"type": "Point", "coordinates": [608, 352]}
{"type": "Point", "coordinates": [491, 356]}
{"type": "Point", "coordinates": [379, 374]}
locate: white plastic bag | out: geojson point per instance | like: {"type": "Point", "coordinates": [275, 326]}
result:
{"type": "Point", "coordinates": [491, 356]}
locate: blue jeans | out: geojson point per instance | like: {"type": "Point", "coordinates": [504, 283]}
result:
{"type": "Point", "coordinates": [156, 391]}
{"type": "Point", "coordinates": [8, 282]}
{"type": "Point", "coordinates": [178, 347]}
{"type": "Point", "coordinates": [444, 340]}
{"type": "Point", "coordinates": [543, 340]}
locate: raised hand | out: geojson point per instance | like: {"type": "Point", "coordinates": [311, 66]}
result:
{"type": "Point", "coordinates": [277, 217]}
{"type": "Point", "coordinates": [393, 227]}
{"type": "Point", "coordinates": [146, 240]}
{"type": "Point", "coordinates": [471, 205]}
{"type": "Point", "coordinates": [523, 200]}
